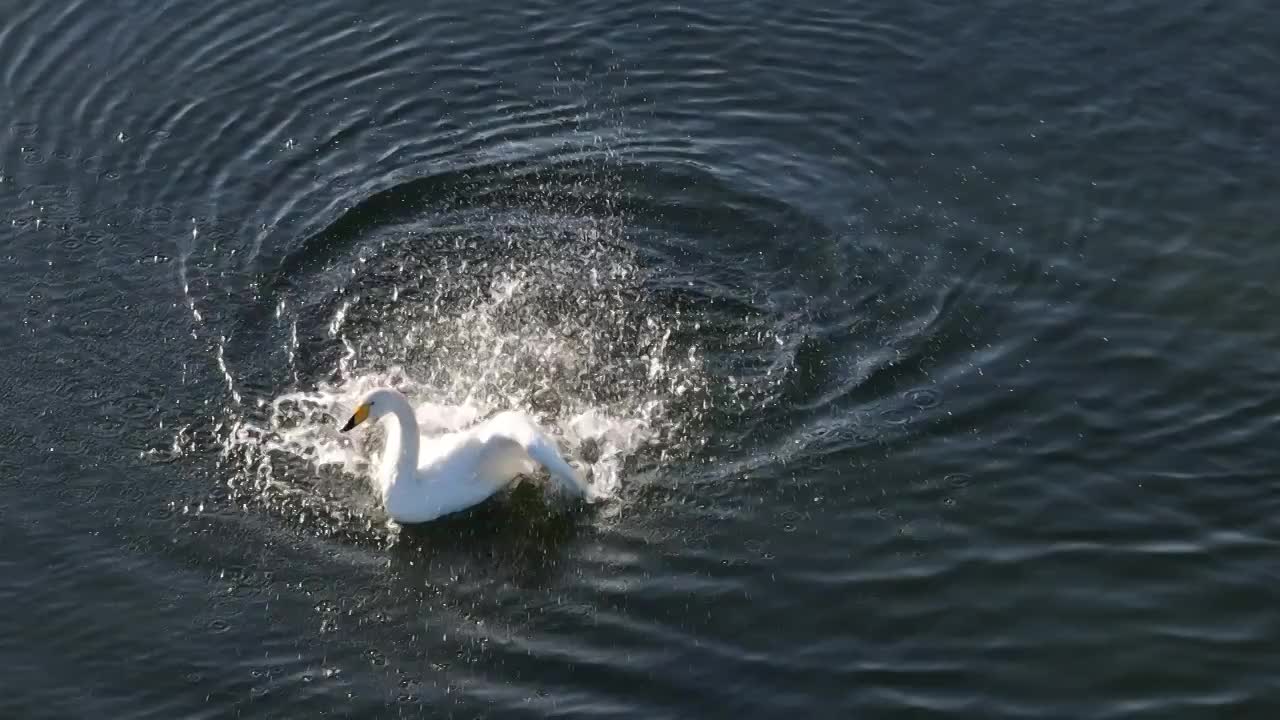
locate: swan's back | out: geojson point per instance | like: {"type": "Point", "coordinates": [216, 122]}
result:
{"type": "Point", "coordinates": [455, 471]}
{"type": "Point", "coordinates": [520, 429]}
{"type": "Point", "coordinates": [461, 469]}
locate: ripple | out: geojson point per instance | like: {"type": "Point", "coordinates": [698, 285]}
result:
{"type": "Point", "coordinates": [25, 129]}
{"type": "Point", "coordinates": [819, 289]}
{"type": "Point", "coordinates": [462, 260]}
{"type": "Point", "coordinates": [925, 399]}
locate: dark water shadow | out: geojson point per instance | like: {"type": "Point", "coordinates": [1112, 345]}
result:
{"type": "Point", "coordinates": [520, 536]}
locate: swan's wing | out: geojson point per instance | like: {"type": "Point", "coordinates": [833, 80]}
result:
{"type": "Point", "coordinates": [545, 454]}
{"type": "Point", "coordinates": [520, 429]}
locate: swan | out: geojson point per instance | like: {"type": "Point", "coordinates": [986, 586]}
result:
{"type": "Point", "coordinates": [424, 478]}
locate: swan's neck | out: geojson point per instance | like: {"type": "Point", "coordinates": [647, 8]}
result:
{"type": "Point", "coordinates": [400, 456]}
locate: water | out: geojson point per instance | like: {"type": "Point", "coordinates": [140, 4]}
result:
{"type": "Point", "coordinates": [923, 355]}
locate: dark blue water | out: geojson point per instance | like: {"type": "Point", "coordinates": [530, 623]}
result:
{"type": "Point", "coordinates": [929, 353]}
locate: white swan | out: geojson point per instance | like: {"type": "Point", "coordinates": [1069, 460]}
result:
{"type": "Point", "coordinates": [422, 479]}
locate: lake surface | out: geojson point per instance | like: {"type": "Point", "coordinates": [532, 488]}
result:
{"type": "Point", "coordinates": [927, 355]}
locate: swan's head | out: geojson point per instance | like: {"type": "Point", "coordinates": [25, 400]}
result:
{"type": "Point", "coordinates": [374, 405]}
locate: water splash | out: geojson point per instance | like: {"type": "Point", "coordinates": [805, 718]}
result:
{"type": "Point", "coordinates": [543, 313]}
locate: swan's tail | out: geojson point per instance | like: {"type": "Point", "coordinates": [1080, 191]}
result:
{"type": "Point", "coordinates": [543, 451]}
{"type": "Point", "coordinates": [546, 455]}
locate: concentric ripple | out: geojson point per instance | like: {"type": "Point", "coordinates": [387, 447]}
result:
{"type": "Point", "coordinates": [920, 349]}
{"type": "Point", "coordinates": [482, 291]}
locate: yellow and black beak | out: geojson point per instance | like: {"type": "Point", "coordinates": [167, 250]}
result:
{"type": "Point", "coordinates": [360, 415]}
